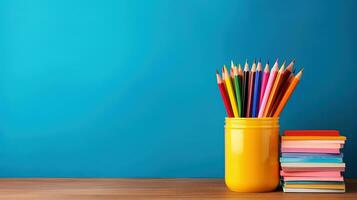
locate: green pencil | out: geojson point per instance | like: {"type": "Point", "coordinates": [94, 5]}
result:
{"type": "Point", "coordinates": [238, 91]}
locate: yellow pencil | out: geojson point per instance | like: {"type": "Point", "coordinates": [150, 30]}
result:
{"type": "Point", "coordinates": [229, 86]}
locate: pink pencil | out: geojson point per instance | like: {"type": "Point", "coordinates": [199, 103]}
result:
{"type": "Point", "coordinates": [272, 76]}
{"type": "Point", "coordinates": [264, 82]}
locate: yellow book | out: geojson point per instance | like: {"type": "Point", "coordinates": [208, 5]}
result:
{"type": "Point", "coordinates": [316, 186]}
{"type": "Point", "coordinates": [313, 137]}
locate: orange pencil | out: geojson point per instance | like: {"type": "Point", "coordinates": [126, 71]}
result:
{"type": "Point", "coordinates": [273, 92]}
{"type": "Point", "coordinates": [288, 93]}
{"type": "Point", "coordinates": [281, 93]}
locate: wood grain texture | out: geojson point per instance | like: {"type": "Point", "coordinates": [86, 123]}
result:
{"type": "Point", "coordinates": [145, 189]}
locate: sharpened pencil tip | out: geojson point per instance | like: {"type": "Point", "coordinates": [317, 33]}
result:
{"type": "Point", "coordinates": [298, 75]}
{"type": "Point", "coordinates": [266, 68]}
{"type": "Point", "coordinates": [276, 62]}
{"type": "Point", "coordinates": [217, 71]}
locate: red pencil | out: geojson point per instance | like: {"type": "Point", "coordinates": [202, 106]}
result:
{"type": "Point", "coordinates": [224, 95]}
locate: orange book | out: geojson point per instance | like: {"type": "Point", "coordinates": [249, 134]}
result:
{"type": "Point", "coordinates": [313, 138]}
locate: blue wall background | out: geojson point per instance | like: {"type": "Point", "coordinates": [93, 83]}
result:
{"type": "Point", "coordinates": [127, 88]}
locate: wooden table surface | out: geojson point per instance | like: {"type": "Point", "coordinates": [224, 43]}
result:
{"type": "Point", "coordinates": [145, 189]}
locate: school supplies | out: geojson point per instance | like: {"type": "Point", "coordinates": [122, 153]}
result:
{"type": "Point", "coordinates": [257, 93]}
{"type": "Point", "coordinates": [251, 89]}
{"type": "Point", "coordinates": [311, 161]}
{"type": "Point", "coordinates": [230, 91]}
{"type": "Point", "coordinates": [238, 89]}
{"type": "Point", "coordinates": [265, 79]}
{"type": "Point", "coordinates": [287, 94]}
{"type": "Point", "coordinates": [274, 90]}
{"type": "Point", "coordinates": [225, 98]}
{"type": "Point", "coordinates": [271, 80]}
{"type": "Point", "coordinates": [245, 88]}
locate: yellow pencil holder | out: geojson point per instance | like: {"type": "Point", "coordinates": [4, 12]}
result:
{"type": "Point", "coordinates": [251, 154]}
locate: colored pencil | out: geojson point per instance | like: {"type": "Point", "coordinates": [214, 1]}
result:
{"type": "Point", "coordinates": [238, 91]}
{"type": "Point", "coordinates": [271, 80]}
{"type": "Point", "coordinates": [254, 92]}
{"type": "Point", "coordinates": [230, 91]}
{"type": "Point", "coordinates": [240, 78]}
{"type": "Point", "coordinates": [288, 93]}
{"type": "Point", "coordinates": [251, 89]}
{"type": "Point", "coordinates": [265, 78]}
{"type": "Point", "coordinates": [281, 94]}
{"type": "Point", "coordinates": [257, 87]}
{"type": "Point", "coordinates": [231, 74]}
{"type": "Point", "coordinates": [274, 89]}
{"type": "Point", "coordinates": [282, 86]}
{"type": "Point", "coordinates": [225, 98]}
{"type": "Point", "coordinates": [245, 88]}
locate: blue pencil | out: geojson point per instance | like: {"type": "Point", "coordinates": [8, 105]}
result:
{"type": "Point", "coordinates": [257, 86]}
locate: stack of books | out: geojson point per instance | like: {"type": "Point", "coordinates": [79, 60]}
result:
{"type": "Point", "coordinates": [311, 161]}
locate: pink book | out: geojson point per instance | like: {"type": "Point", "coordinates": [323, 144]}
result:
{"type": "Point", "coordinates": [307, 145]}
{"type": "Point", "coordinates": [310, 150]}
{"type": "Point", "coordinates": [310, 173]}
{"type": "Point", "coordinates": [313, 178]}
{"type": "Point", "coordinates": [324, 169]}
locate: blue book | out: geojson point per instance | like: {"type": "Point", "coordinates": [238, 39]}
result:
{"type": "Point", "coordinates": [311, 155]}
{"type": "Point", "coordinates": [311, 160]}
